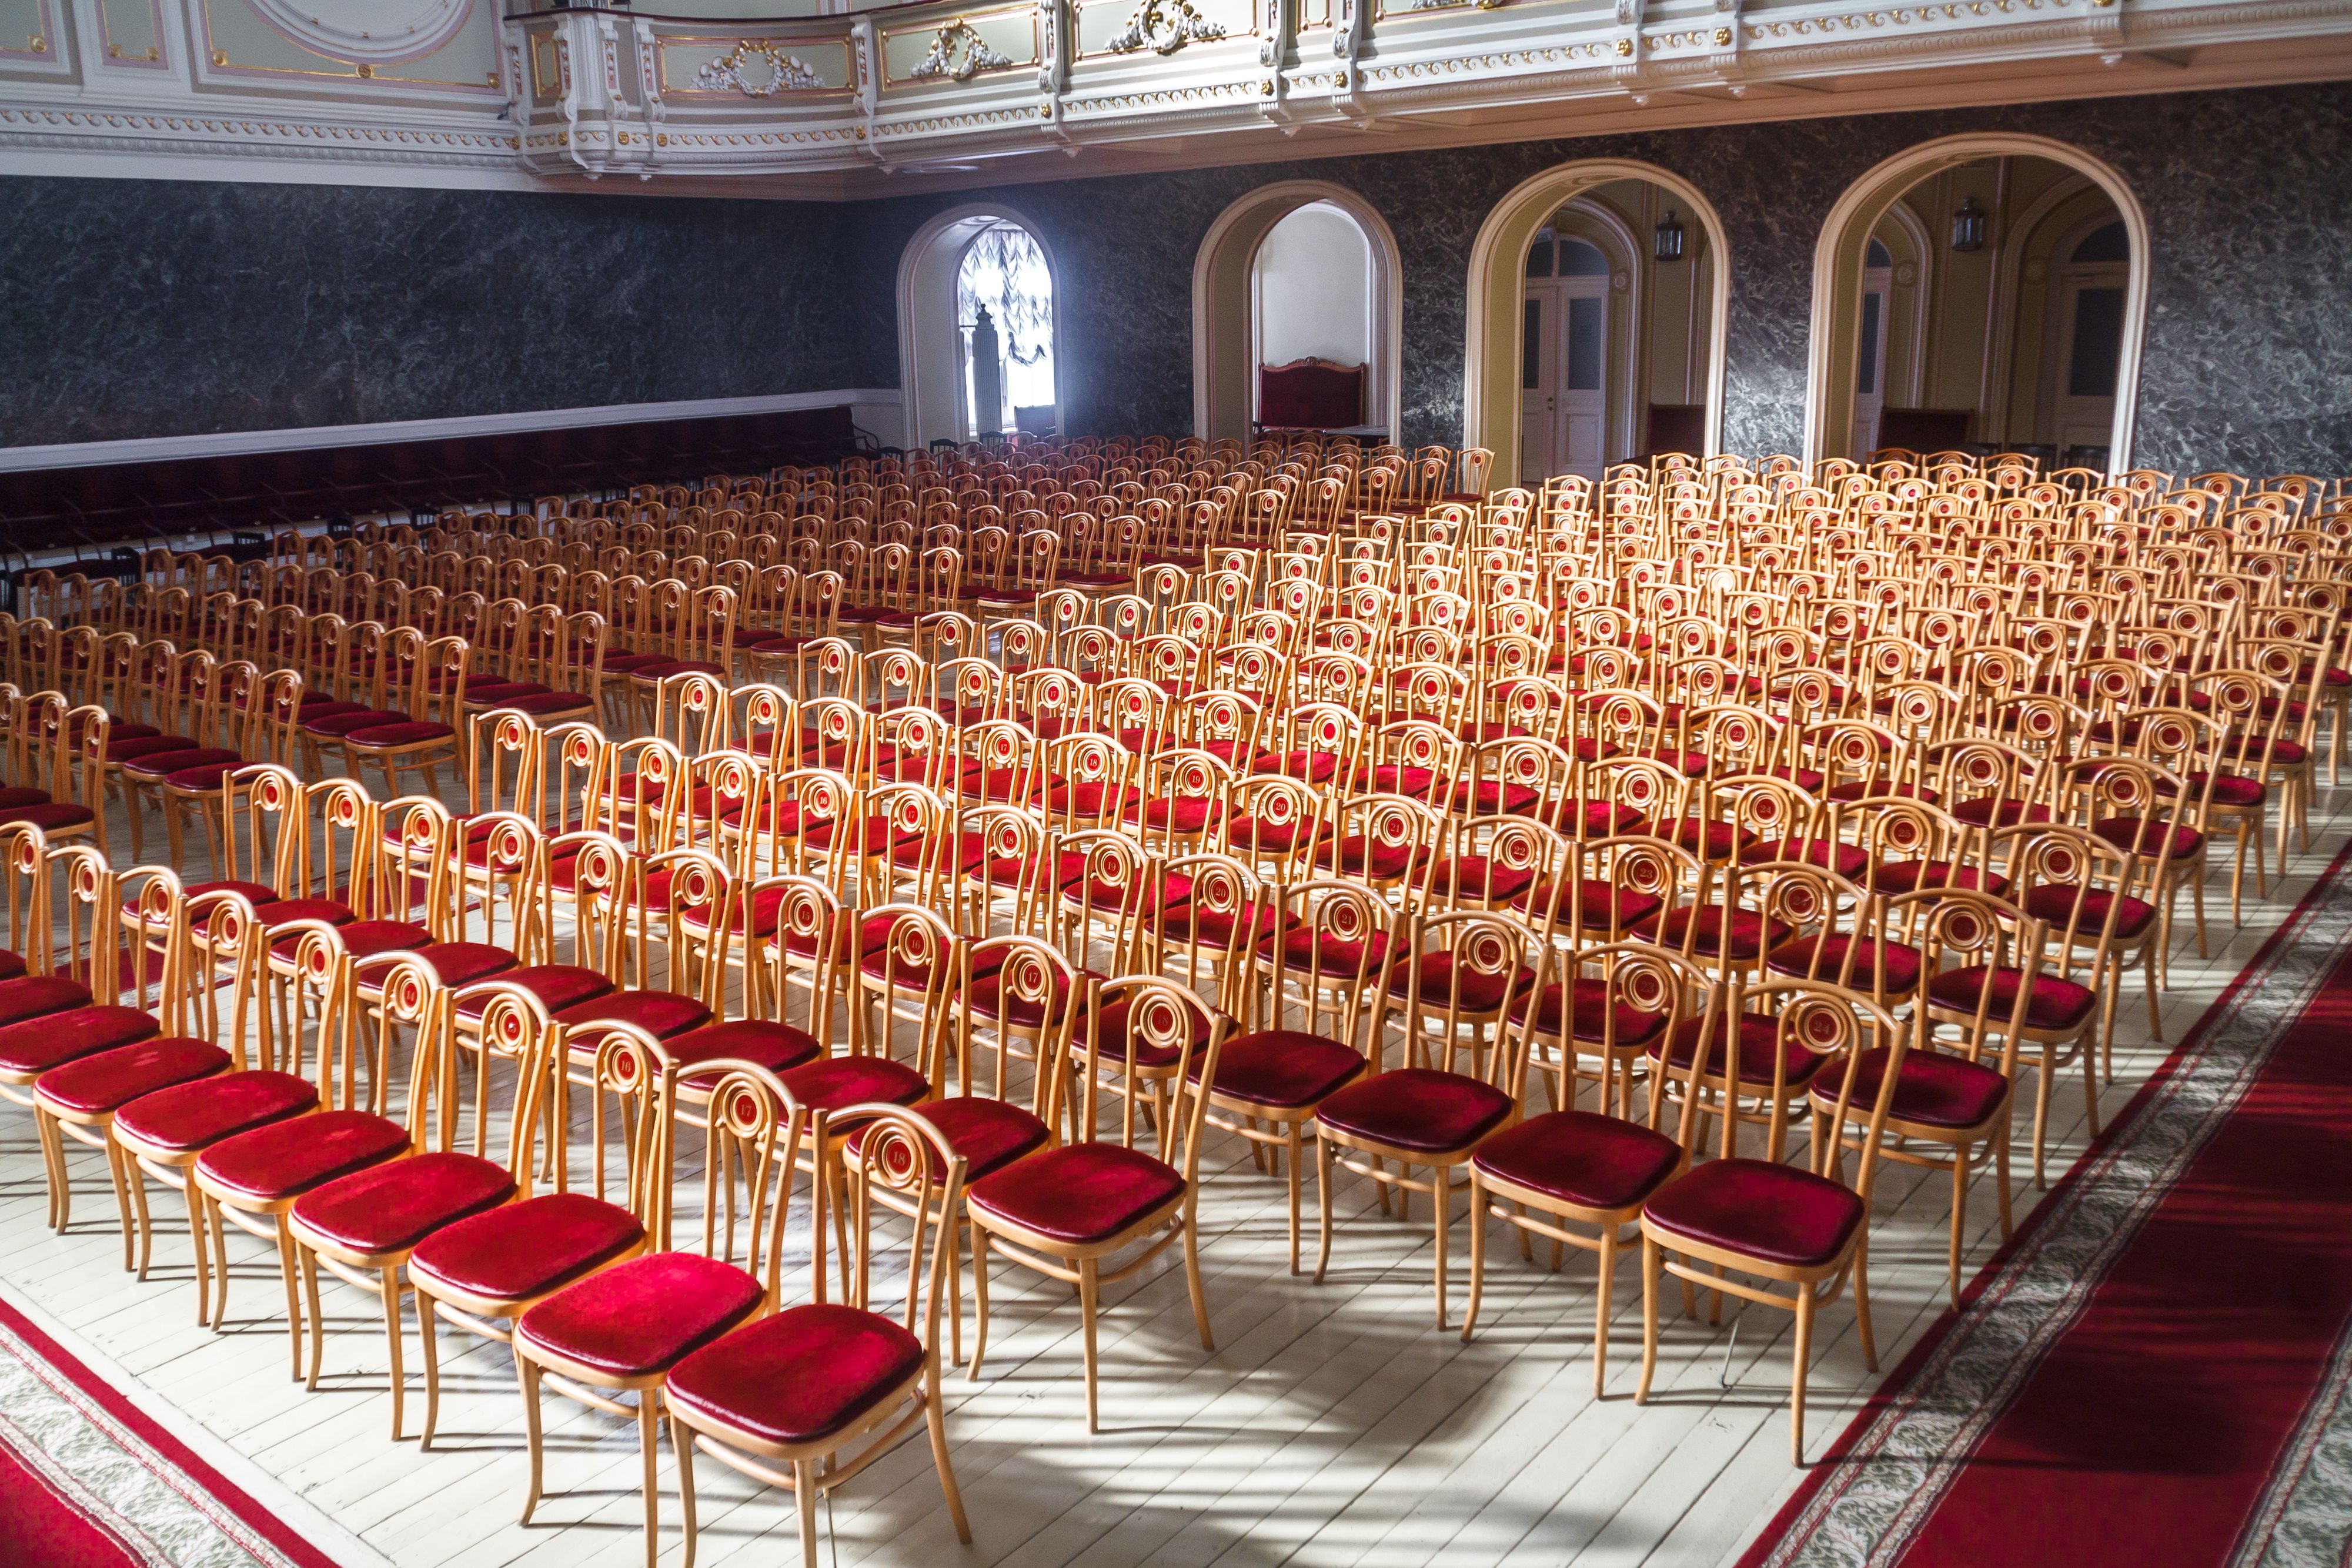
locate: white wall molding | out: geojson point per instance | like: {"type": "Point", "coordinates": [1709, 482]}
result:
{"type": "Point", "coordinates": [1455, 77]}
{"type": "Point", "coordinates": [868, 406]}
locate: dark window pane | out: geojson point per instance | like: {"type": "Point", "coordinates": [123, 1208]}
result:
{"type": "Point", "coordinates": [2109, 243]}
{"type": "Point", "coordinates": [2098, 342]}
{"type": "Point", "coordinates": [1578, 259]}
{"type": "Point", "coordinates": [1584, 345]}
{"type": "Point", "coordinates": [1877, 257]}
{"type": "Point", "coordinates": [1539, 258]}
{"type": "Point", "coordinates": [1531, 349]}
{"type": "Point", "coordinates": [1870, 306]}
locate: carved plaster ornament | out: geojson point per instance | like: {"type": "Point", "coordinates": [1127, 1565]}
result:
{"type": "Point", "coordinates": [756, 68]}
{"type": "Point", "coordinates": [959, 53]}
{"type": "Point", "coordinates": [1164, 26]}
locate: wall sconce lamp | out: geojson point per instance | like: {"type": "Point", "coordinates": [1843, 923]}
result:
{"type": "Point", "coordinates": [1968, 227]}
{"type": "Point", "coordinates": [1670, 238]}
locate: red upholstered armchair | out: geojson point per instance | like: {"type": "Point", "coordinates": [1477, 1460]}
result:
{"type": "Point", "coordinates": [1311, 394]}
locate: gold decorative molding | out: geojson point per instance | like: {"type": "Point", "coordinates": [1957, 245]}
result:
{"type": "Point", "coordinates": [784, 73]}
{"type": "Point", "coordinates": [1164, 26]}
{"type": "Point", "coordinates": [959, 53]}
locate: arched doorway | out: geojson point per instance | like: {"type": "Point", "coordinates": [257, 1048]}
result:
{"type": "Point", "coordinates": [1990, 324]}
{"type": "Point", "coordinates": [962, 261]}
{"type": "Point", "coordinates": [1654, 343]}
{"type": "Point", "coordinates": [1615, 347]}
{"type": "Point", "coordinates": [1255, 300]}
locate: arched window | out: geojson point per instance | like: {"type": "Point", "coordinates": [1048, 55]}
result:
{"type": "Point", "coordinates": [2112, 243]}
{"type": "Point", "coordinates": [1005, 309]}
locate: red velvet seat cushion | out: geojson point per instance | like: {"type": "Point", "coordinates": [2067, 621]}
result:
{"type": "Point", "coordinates": [986, 998]}
{"type": "Point", "coordinates": [53, 818]}
{"type": "Point", "coordinates": [626, 663]}
{"type": "Point", "coordinates": [1416, 1108]}
{"type": "Point", "coordinates": [1993, 812]}
{"type": "Point", "coordinates": [2054, 902]}
{"type": "Point", "coordinates": [1636, 1026]}
{"type": "Point", "coordinates": [11, 966]}
{"type": "Point", "coordinates": [1149, 1054]}
{"type": "Point", "coordinates": [798, 1376]}
{"type": "Point", "coordinates": [1872, 789]}
{"type": "Point", "coordinates": [1487, 796]}
{"type": "Point", "coordinates": [1749, 932]}
{"type": "Point", "coordinates": [196, 1115]}
{"type": "Point", "coordinates": [1475, 991]}
{"type": "Point", "coordinates": [1844, 859]}
{"type": "Point", "coordinates": [336, 726]}
{"type": "Point", "coordinates": [557, 985]}
{"type": "Point", "coordinates": [94, 1085]}
{"type": "Point", "coordinates": [778, 1047]}
{"type": "Point", "coordinates": [333, 910]}
{"type": "Point", "coordinates": [1591, 1162]}
{"type": "Point", "coordinates": [456, 963]}
{"type": "Point", "coordinates": [286, 1158]}
{"type": "Point", "coordinates": [545, 703]}
{"type": "Point", "coordinates": [989, 1134]}
{"type": "Point", "coordinates": [653, 674]}
{"type": "Point", "coordinates": [1218, 926]}
{"type": "Point", "coordinates": [1605, 821]}
{"type": "Point", "coordinates": [15, 795]}
{"type": "Point", "coordinates": [1602, 905]}
{"type": "Point", "coordinates": [1475, 876]}
{"type": "Point", "coordinates": [1935, 1088]}
{"type": "Point", "coordinates": [1384, 861]}
{"type": "Point", "coordinates": [1758, 1039]}
{"type": "Point", "coordinates": [2233, 790]}
{"type": "Point", "coordinates": [203, 777]}
{"type": "Point", "coordinates": [1080, 1193]}
{"type": "Point", "coordinates": [1312, 767]}
{"type": "Point", "coordinates": [167, 764]}
{"type": "Point", "coordinates": [833, 1081]}
{"type": "Point", "coordinates": [121, 749]}
{"type": "Point", "coordinates": [662, 1014]}
{"type": "Point", "coordinates": [362, 938]}
{"type": "Point", "coordinates": [1283, 1068]}
{"type": "Point", "coordinates": [1778, 1213]}
{"type": "Point", "coordinates": [1710, 840]}
{"type": "Point", "coordinates": [2054, 1004]}
{"type": "Point", "coordinates": [38, 996]}
{"type": "Point", "coordinates": [316, 707]}
{"type": "Point", "coordinates": [1403, 778]}
{"type": "Point", "coordinates": [1893, 877]}
{"type": "Point", "coordinates": [638, 1317]}
{"type": "Point", "coordinates": [36, 1045]}
{"type": "Point", "coordinates": [406, 732]}
{"type": "Point", "coordinates": [392, 1206]}
{"type": "Point", "coordinates": [1302, 947]}
{"type": "Point", "coordinates": [1266, 838]}
{"type": "Point", "coordinates": [2147, 837]}
{"type": "Point", "coordinates": [518, 1251]}
{"type": "Point", "coordinates": [1821, 958]}
{"type": "Point", "coordinates": [1176, 813]}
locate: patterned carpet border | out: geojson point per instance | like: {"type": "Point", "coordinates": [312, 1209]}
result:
{"type": "Point", "coordinates": [122, 1472]}
{"type": "Point", "coordinates": [1886, 1472]}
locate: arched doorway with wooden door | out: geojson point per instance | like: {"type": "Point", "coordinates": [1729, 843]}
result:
{"type": "Point", "coordinates": [1598, 294]}
{"type": "Point", "coordinates": [1980, 294]}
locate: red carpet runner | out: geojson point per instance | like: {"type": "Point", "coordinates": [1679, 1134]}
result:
{"type": "Point", "coordinates": [2155, 1372]}
{"type": "Point", "coordinates": [86, 1481]}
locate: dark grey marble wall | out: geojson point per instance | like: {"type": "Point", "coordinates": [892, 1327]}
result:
{"type": "Point", "coordinates": [133, 309]}
{"type": "Point", "coordinates": [2248, 362]}
{"type": "Point", "coordinates": [168, 308]}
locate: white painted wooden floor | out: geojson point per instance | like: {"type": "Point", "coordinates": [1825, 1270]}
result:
{"type": "Point", "coordinates": [1334, 1424]}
